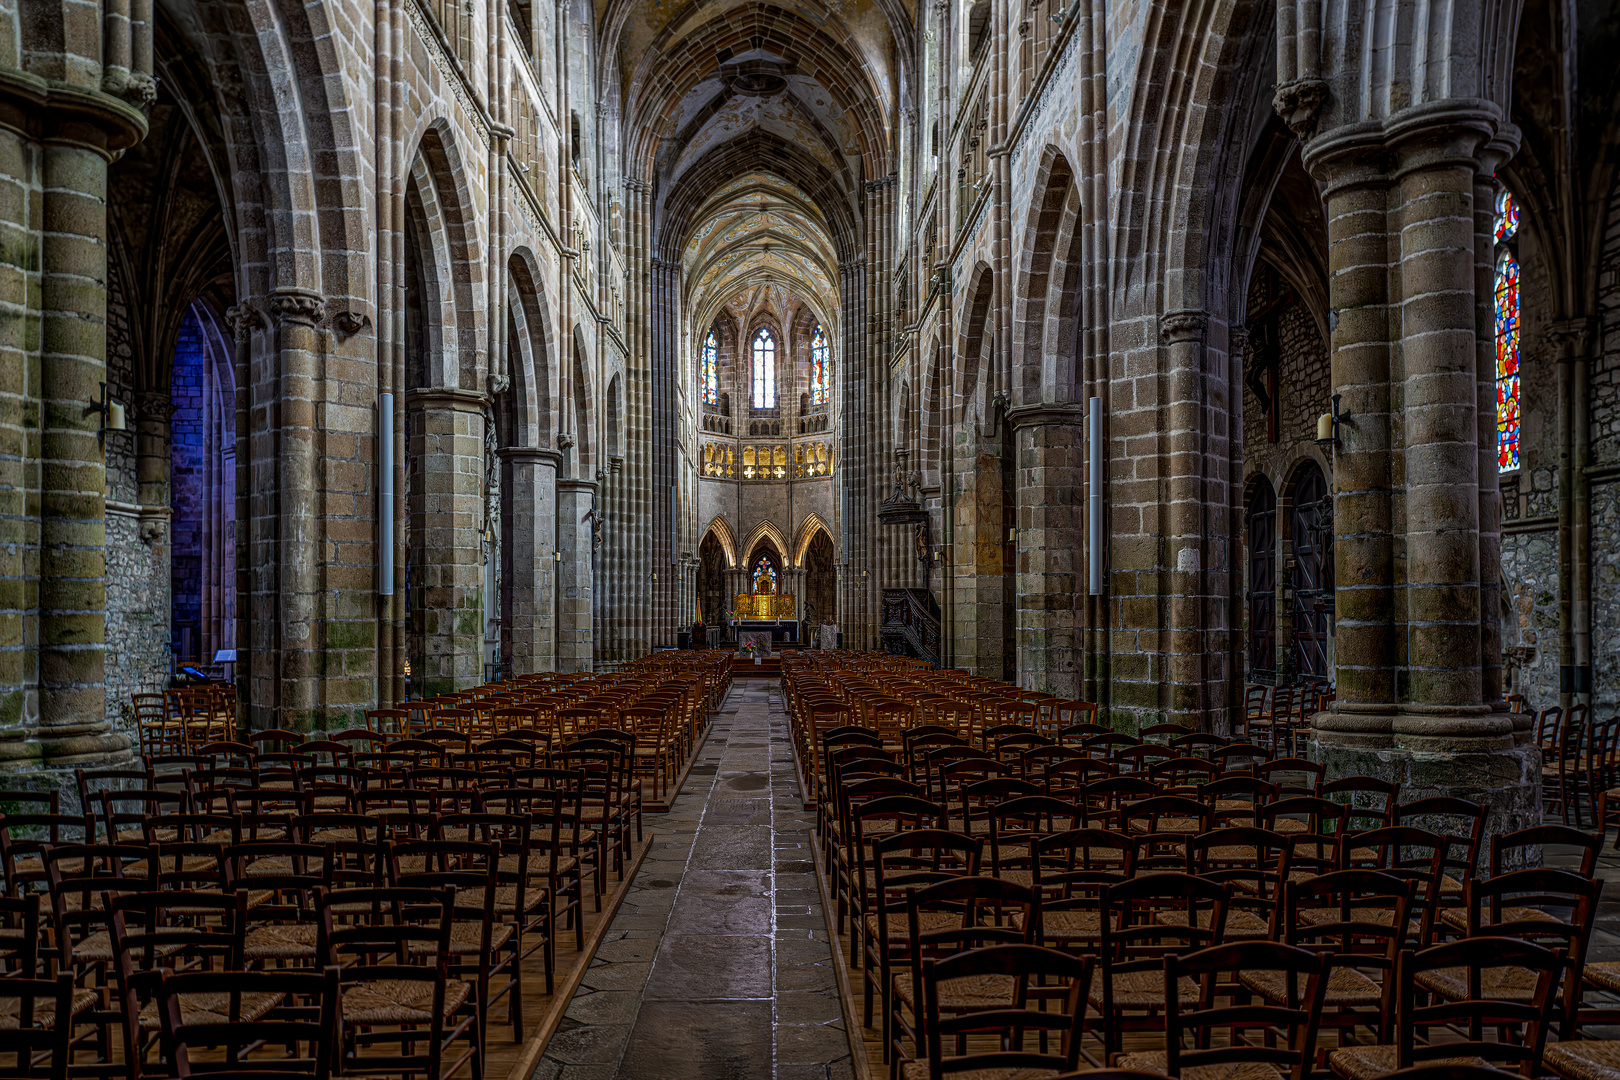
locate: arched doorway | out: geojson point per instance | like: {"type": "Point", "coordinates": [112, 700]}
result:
{"type": "Point", "coordinates": [1311, 534]}
{"type": "Point", "coordinates": [712, 579]}
{"type": "Point", "coordinates": [820, 584]}
{"type": "Point", "coordinates": [1262, 591]}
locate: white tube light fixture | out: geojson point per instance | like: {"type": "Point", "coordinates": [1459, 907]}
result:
{"type": "Point", "coordinates": [385, 497]}
{"type": "Point", "coordinates": [1094, 533]}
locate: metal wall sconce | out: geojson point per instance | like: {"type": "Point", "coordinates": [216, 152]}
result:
{"type": "Point", "coordinates": [112, 413]}
{"type": "Point", "coordinates": [1327, 426]}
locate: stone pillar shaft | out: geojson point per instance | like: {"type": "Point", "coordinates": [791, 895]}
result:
{"type": "Point", "coordinates": [19, 470]}
{"type": "Point", "coordinates": [1363, 544]}
{"type": "Point", "coordinates": [575, 499]}
{"type": "Point", "coordinates": [530, 541]}
{"type": "Point", "coordinates": [1050, 479]}
{"type": "Point", "coordinates": [1440, 431]}
{"type": "Point", "coordinates": [73, 342]}
{"type": "Point", "coordinates": [447, 526]}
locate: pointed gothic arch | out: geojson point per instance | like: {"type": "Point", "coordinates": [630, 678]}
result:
{"type": "Point", "coordinates": [764, 530]}
{"type": "Point", "coordinates": [807, 532]}
{"type": "Point", "coordinates": [720, 528]}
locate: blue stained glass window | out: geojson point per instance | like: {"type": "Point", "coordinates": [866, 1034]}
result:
{"type": "Point", "coordinates": [820, 374]}
{"type": "Point", "coordinates": [711, 370]}
{"type": "Point", "coordinates": [764, 576]}
{"type": "Point", "coordinates": [1507, 333]}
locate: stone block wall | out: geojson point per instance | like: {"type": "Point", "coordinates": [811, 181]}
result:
{"type": "Point", "coordinates": [138, 628]}
{"type": "Point", "coordinates": [1530, 578]}
{"type": "Point", "coordinates": [1304, 390]}
{"type": "Point", "coordinates": [1605, 514]}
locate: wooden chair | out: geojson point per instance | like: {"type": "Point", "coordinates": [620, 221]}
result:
{"type": "Point", "coordinates": [1463, 964]}
{"type": "Point", "coordinates": [1022, 1037]}
{"type": "Point", "coordinates": [1516, 904]}
{"type": "Point", "coordinates": [204, 1010]}
{"type": "Point", "coordinates": [903, 862]}
{"type": "Point", "coordinates": [399, 1009]}
{"type": "Point", "coordinates": [1070, 870]}
{"type": "Point", "coordinates": [37, 1032]}
{"type": "Point", "coordinates": [943, 919]}
{"type": "Point", "coordinates": [1134, 941]}
{"type": "Point", "coordinates": [1289, 1015]}
{"type": "Point", "coordinates": [1359, 919]}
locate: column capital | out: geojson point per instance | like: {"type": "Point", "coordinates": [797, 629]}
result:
{"type": "Point", "coordinates": [574, 483]}
{"type": "Point", "coordinates": [155, 405]}
{"type": "Point", "coordinates": [530, 455]}
{"type": "Point", "coordinates": [243, 319]}
{"type": "Point", "coordinates": [52, 111]}
{"type": "Point", "coordinates": [1576, 334]}
{"type": "Point", "coordinates": [1185, 324]}
{"type": "Point", "coordinates": [448, 397]}
{"type": "Point", "coordinates": [1047, 414]}
{"type": "Point", "coordinates": [298, 306]}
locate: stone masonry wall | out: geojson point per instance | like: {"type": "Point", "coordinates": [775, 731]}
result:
{"type": "Point", "coordinates": [1303, 394]}
{"type": "Point", "coordinates": [1605, 502]}
{"type": "Point", "coordinates": [138, 656]}
{"type": "Point", "coordinates": [1530, 578]}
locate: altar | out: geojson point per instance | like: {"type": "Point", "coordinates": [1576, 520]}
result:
{"type": "Point", "coordinates": [768, 616]}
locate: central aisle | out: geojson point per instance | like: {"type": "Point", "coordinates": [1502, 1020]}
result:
{"type": "Point", "coordinates": [717, 965]}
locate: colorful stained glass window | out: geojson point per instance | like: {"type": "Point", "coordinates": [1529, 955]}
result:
{"type": "Point", "coordinates": [1507, 216]}
{"type": "Point", "coordinates": [1507, 333]}
{"type": "Point", "coordinates": [711, 370]}
{"type": "Point", "coordinates": [820, 376]}
{"type": "Point", "coordinates": [764, 370]}
{"type": "Point", "coordinates": [764, 576]}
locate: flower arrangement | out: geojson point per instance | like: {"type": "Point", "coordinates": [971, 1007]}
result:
{"type": "Point", "coordinates": [747, 647]}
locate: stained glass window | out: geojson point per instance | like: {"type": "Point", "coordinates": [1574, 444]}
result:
{"type": "Point", "coordinates": [819, 373]}
{"type": "Point", "coordinates": [711, 370]}
{"type": "Point", "coordinates": [764, 576]}
{"type": "Point", "coordinates": [1507, 333]}
{"type": "Point", "coordinates": [764, 370]}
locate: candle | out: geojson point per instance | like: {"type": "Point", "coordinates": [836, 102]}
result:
{"type": "Point", "coordinates": [1324, 428]}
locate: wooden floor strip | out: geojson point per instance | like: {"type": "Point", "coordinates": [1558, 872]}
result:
{"type": "Point", "coordinates": [534, 1047]}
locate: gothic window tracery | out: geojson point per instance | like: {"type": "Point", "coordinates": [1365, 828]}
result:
{"type": "Point", "coordinates": [764, 370]}
{"type": "Point", "coordinates": [711, 370]}
{"type": "Point", "coordinates": [1507, 331]}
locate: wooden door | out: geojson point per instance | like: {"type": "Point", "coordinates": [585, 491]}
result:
{"type": "Point", "coordinates": [1313, 572]}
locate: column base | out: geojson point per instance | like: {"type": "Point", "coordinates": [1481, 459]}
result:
{"type": "Point", "coordinates": [1506, 780]}
{"type": "Point", "coordinates": [44, 760]}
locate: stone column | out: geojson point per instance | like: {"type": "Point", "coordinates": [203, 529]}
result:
{"type": "Point", "coordinates": [447, 527]}
{"type": "Point", "coordinates": [575, 539]}
{"type": "Point", "coordinates": [1359, 253]}
{"type": "Point", "coordinates": [1435, 187]}
{"type": "Point", "coordinates": [73, 474]}
{"type": "Point", "coordinates": [793, 585]}
{"type": "Point", "coordinates": [531, 541]}
{"type": "Point", "coordinates": [1412, 674]}
{"type": "Point", "coordinates": [299, 665]}
{"type": "Point", "coordinates": [1050, 481]}
{"type": "Point", "coordinates": [978, 559]}
{"type": "Point", "coordinates": [19, 534]}
{"type": "Point", "coordinates": [736, 582]}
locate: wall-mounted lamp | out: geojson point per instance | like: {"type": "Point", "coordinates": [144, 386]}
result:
{"type": "Point", "coordinates": [112, 413]}
{"type": "Point", "coordinates": [557, 555]}
{"type": "Point", "coordinates": [1327, 425]}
